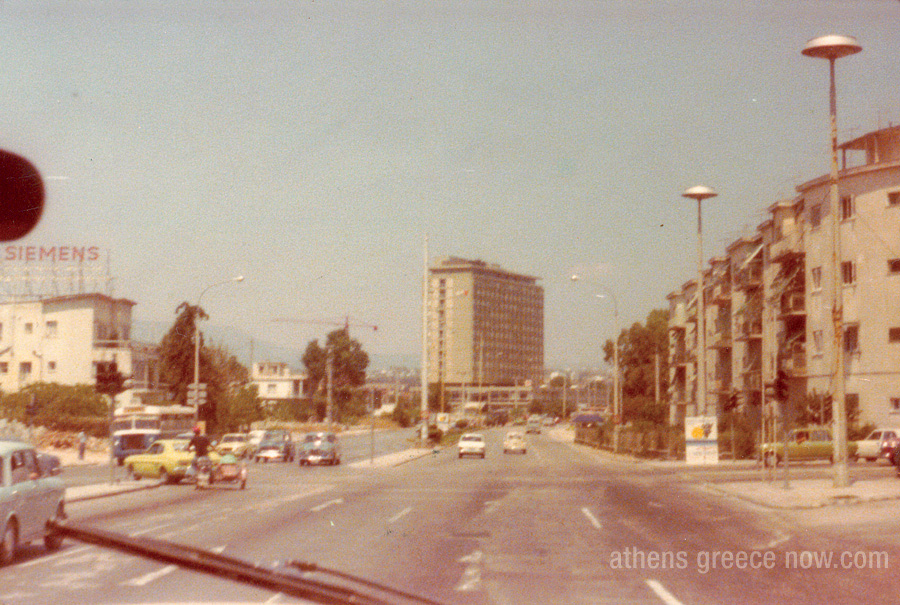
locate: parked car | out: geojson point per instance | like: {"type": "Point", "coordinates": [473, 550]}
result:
{"type": "Point", "coordinates": [29, 498]}
{"type": "Point", "coordinates": [254, 438]}
{"type": "Point", "coordinates": [167, 460]}
{"type": "Point", "coordinates": [319, 452]}
{"type": "Point", "coordinates": [235, 444]}
{"type": "Point", "coordinates": [534, 425]}
{"type": "Point", "coordinates": [50, 464]}
{"type": "Point", "coordinates": [275, 445]}
{"type": "Point", "coordinates": [878, 444]}
{"type": "Point", "coordinates": [514, 442]}
{"type": "Point", "coordinates": [811, 443]}
{"type": "Point", "coordinates": [471, 444]}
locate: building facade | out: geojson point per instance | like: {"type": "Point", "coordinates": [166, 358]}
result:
{"type": "Point", "coordinates": [485, 328]}
{"type": "Point", "coordinates": [770, 299]}
{"type": "Point", "coordinates": [61, 339]}
{"type": "Point", "coordinates": [277, 382]}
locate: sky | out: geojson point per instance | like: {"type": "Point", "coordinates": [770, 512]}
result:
{"type": "Point", "coordinates": [311, 146]}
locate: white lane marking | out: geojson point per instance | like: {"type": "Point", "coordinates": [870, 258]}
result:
{"type": "Point", "coordinates": [155, 575]}
{"type": "Point", "coordinates": [325, 505]}
{"type": "Point", "coordinates": [662, 593]}
{"type": "Point", "coordinates": [147, 578]}
{"type": "Point", "coordinates": [66, 553]}
{"type": "Point", "coordinates": [400, 515]}
{"type": "Point", "coordinates": [782, 537]}
{"type": "Point", "coordinates": [150, 530]}
{"type": "Point", "coordinates": [594, 521]}
{"type": "Point", "coordinates": [472, 574]}
{"type": "Point", "coordinates": [655, 504]}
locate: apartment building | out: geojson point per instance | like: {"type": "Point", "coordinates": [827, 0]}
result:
{"type": "Point", "coordinates": [485, 329]}
{"type": "Point", "coordinates": [61, 339]}
{"type": "Point", "coordinates": [769, 300]}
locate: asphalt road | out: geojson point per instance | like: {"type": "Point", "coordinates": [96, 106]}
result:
{"type": "Point", "coordinates": [557, 525]}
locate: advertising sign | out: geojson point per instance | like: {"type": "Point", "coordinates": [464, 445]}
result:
{"type": "Point", "coordinates": [701, 440]}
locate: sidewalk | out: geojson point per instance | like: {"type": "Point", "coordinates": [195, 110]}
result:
{"type": "Point", "coordinates": [395, 459]}
{"type": "Point", "coordinates": [800, 494]}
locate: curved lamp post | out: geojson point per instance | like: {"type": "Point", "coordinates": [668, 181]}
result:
{"type": "Point", "coordinates": [239, 278]}
{"type": "Point", "coordinates": [833, 48]}
{"type": "Point", "coordinates": [700, 193]}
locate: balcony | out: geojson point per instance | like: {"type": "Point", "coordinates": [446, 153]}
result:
{"type": "Point", "coordinates": [788, 246]}
{"type": "Point", "coordinates": [750, 276]}
{"type": "Point", "coordinates": [748, 330]}
{"type": "Point", "coordinates": [793, 304]}
{"type": "Point", "coordinates": [720, 340]}
{"type": "Point", "coordinates": [753, 381]}
{"type": "Point", "coordinates": [721, 293]}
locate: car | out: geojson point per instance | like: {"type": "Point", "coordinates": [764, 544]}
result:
{"type": "Point", "coordinates": [471, 444]}
{"type": "Point", "coordinates": [166, 459]}
{"type": "Point", "coordinates": [254, 438]}
{"type": "Point", "coordinates": [275, 445]}
{"type": "Point", "coordinates": [877, 444]}
{"type": "Point", "coordinates": [50, 463]}
{"type": "Point", "coordinates": [29, 499]}
{"type": "Point", "coordinates": [534, 425]}
{"type": "Point", "coordinates": [810, 443]}
{"type": "Point", "coordinates": [514, 442]}
{"type": "Point", "coordinates": [319, 452]}
{"type": "Point", "coordinates": [235, 444]}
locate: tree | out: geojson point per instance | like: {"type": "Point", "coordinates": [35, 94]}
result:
{"type": "Point", "coordinates": [238, 409]}
{"type": "Point", "coordinates": [639, 346]}
{"type": "Point", "coordinates": [349, 363]}
{"type": "Point", "coordinates": [219, 369]}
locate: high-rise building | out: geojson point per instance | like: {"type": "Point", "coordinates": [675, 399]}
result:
{"type": "Point", "coordinates": [485, 325]}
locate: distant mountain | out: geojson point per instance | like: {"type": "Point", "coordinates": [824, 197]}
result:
{"type": "Point", "coordinates": [239, 343]}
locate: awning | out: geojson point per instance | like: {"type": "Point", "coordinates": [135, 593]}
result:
{"type": "Point", "coordinates": [589, 419]}
{"type": "Point", "coordinates": [751, 257]}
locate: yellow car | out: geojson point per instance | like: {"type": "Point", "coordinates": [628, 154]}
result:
{"type": "Point", "coordinates": [236, 444]}
{"type": "Point", "coordinates": [167, 460]}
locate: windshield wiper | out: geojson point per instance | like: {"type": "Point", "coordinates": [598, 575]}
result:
{"type": "Point", "coordinates": [222, 566]}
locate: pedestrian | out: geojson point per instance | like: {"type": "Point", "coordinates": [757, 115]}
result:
{"type": "Point", "coordinates": [82, 442]}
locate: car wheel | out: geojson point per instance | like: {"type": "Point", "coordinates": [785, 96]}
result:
{"type": "Point", "coordinates": [53, 539]}
{"type": "Point", "coordinates": [8, 544]}
{"type": "Point", "coordinates": [482, 456]}
{"type": "Point", "coordinates": [134, 476]}
{"type": "Point", "coordinates": [770, 459]}
{"type": "Point", "coordinates": [164, 475]}
{"type": "Point", "coordinates": [243, 483]}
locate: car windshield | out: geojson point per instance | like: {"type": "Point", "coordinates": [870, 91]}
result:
{"type": "Point", "coordinates": [550, 283]}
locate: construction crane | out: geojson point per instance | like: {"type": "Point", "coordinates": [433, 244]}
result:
{"type": "Point", "coordinates": [329, 354]}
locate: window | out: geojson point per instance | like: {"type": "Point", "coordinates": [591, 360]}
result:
{"type": "Point", "coordinates": [815, 275]}
{"type": "Point", "coordinates": [4, 367]}
{"type": "Point", "coordinates": [848, 272]}
{"type": "Point", "coordinates": [895, 405]}
{"type": "Point", "coordinates": [851, 339]}
{"type": "Point", "coordinates": [846, 207]}
{"type": "Point", "coordinates": [25, 368]}
{"type": "Point", "coordinates": [893, 334]}
{"type": "Point", "coordinates": [894, 198]}
{"type": "Point", "coordinates": [893, 266]}
{"type": "Point", "coordinates": [51, 329]}
{"type": "Point", "coordinates": [29, 328]}
{"type": "Point", "coordinates": [51, 366]}
{"type": "Point", "coordinates": [817, 342]}
{"type": "Point", "coordinates": [815, 216]}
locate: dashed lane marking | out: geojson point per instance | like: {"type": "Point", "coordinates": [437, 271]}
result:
{"type": "Point", "coordinates": [400, 515]}
{"type": "Point", "coordinates": [590, 516]}
{"type": "Point", "coordinates": [325, 505]}
{"type": "Point", "coordinates": [667, 597]}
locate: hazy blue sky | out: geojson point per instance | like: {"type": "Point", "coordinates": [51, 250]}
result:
{"type": "Point", "coordinates": [310, 145]}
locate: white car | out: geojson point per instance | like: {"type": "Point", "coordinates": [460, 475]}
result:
{"type": "Point", "coordinates": [872, 447]}
{"type": "Point", "coordinates": [471, 444]}
{"type": "Point", "coordinates": [514, 442]}
{"type": "Point", "coordinates": [29, 498]}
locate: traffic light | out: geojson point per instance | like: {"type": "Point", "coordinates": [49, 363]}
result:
{"type": "Point", "coordinates": [109, 380]}
{"type": "Point", "coordinates": [781, 386]}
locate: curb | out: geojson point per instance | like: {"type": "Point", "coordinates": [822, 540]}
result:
{"type": "Point", "coordinates": [419, 456]}
{"type": "Point", "coordinates": [834, 501]}
{"type": "Point", "coordinates": [111, 492]}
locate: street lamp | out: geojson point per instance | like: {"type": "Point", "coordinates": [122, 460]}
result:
{"type": "Point", "coordinates": [239, 278]}
{"type": "Point", "coordinates": [700, 193]}
{"type": "Point", "coordinates": [833, 48]}
{"type": "Point", "coordinates": [617, 409]}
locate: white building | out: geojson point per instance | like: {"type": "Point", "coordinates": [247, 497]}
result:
{"type": "Point", "coordinates": [277, 381]}
{"type": "Point", "coordinates": [61, 339]}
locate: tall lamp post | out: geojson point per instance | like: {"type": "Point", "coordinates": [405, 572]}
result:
{"type": "Point", "coordinates": [617, 408]}
{"type": "Point", "coordinates": [700, 193]}
{"type": "Point", "coordinates": [833, 48]}
{"type": "Point", "coordinates": [239, 278]}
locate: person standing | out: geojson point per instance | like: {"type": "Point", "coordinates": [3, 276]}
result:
{"type": "Point", "coordinates": [82, 443]}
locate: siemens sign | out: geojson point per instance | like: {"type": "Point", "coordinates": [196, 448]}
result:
{"type": "Point", "coordinates": [51, 253]}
